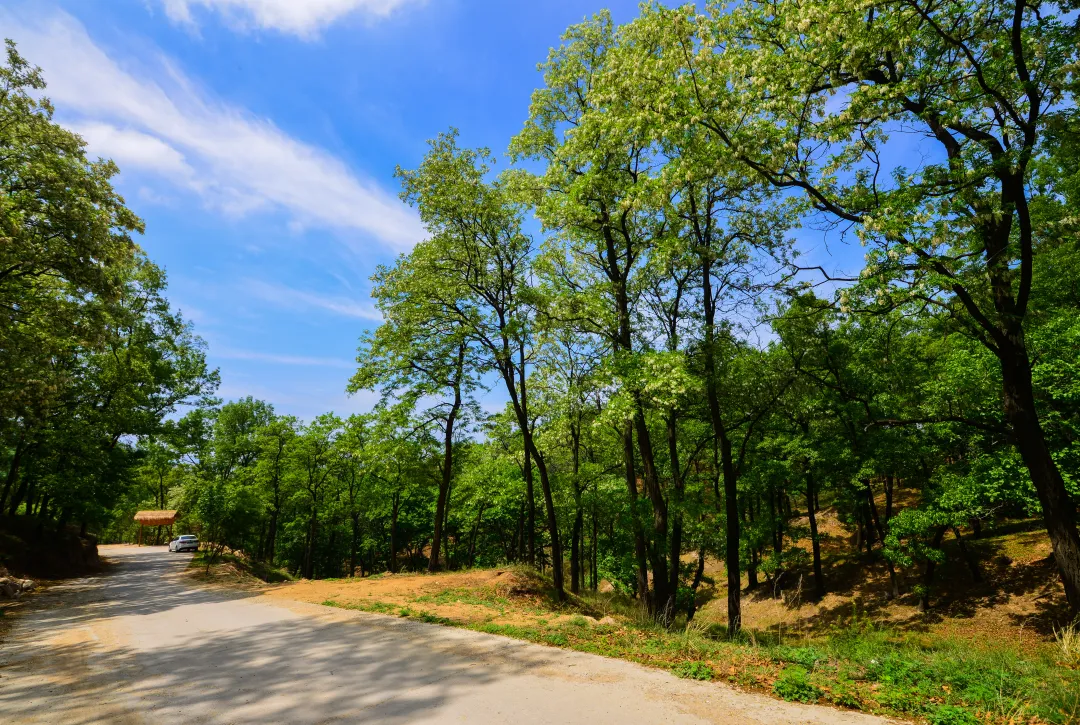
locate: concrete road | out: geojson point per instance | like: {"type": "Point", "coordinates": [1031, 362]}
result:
{"type": "Point", "coordinates": [142, 645]}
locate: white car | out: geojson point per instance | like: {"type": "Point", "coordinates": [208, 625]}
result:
{"type": "Point", "coordinates": [187, 542]}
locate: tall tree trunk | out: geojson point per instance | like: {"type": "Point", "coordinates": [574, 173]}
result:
{"type": "Point", "coordinates": [519, 535]}
{"type": "Point", "coordinates": [393, 534]}
{"type": "Point", "coordinates": [731, 491]}
{"type": "Point", "coordinates": [448, 553]}
{"type": "Point", "coordinates": [354, 544]}
{"type": "Point", "coordinates": [271, 536]}
{"type": "Point", "coordinates": [13, 472]}
{"type": "Point", "coordinates": [650, 476]}
{"type": "Point", "coordinates": [530, 510]}
{"type": "Point", "coordinates": [699, 573]}
{"type": "Point", "coordinates": [872, 505]}
{"type": "Point", "coordinates": [635, 519]}
{"type": "Point", "coordinates": [17, 498]}
{"type": "Point", "coordinates": [552, 524]}
{"type": "Point", "coordinates": [890, 482]}
{"type": "Point", "coordinates": [1058, 508]}
{"type": "Point", "coordinates": [819, 577]}
{"type": "Point", "coordinates": [448, 461]}
{"type": "Point", "coordinates": [928, 573]}
{"type": "Point", "coordinates": [309, 558]}
{"type": "Point", "coordinates": [595, 549]}
{"type": "Point", "coordinates": [676, 500]}
{"type": "Point", "coordinates": [575, 552]}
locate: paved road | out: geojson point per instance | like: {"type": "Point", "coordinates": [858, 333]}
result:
{"type": "Point", "coordinates": [141, 645]}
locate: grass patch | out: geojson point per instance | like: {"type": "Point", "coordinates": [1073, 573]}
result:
{"type": "Point", "coordinates": [694, 671]}
{"type": "Point", "coordinates": [794, 685]}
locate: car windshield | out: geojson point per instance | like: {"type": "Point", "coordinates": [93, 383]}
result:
{"type": "Point", "coordinates": [187, 538]}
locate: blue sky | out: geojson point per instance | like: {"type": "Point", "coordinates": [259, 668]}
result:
{"type": "Point", "coordinates": [258, 139]}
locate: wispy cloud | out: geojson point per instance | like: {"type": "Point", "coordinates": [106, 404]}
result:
{"type": "Point", "coordinates": [300, 300]}
{"type": "Point", "coordinates": [257, 356]}
{"type": "Point", "coordinates": [165, 126]}
{"type": "Point", "coordinates": [297, 17]}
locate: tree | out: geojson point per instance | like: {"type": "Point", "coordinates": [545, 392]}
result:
{"type": "Point", "coordinates": [831, 86]}
{"type": "Point", "coordinates": [313, 456]}
{"type": "Point", "coordinates": [416, 354]}
{"type": "Point", "coordinates": [475, 265]}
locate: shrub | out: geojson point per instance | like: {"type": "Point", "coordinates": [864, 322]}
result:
{"type": "Point", "coordinates": [693, 671]}
{"type": "Point", "coordinates": [952, 715]}
{"type": "Point", "coordinates": [794, 685]}
{"type": "Point", "coordinates": [805, 656]}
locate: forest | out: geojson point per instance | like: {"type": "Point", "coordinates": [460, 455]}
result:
{"type": "Point", "coordinates": [643, 283]}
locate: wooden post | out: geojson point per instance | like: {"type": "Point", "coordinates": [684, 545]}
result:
{"type": "Point", "coordinates": [141, 527]}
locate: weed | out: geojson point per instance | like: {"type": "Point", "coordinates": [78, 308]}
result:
{"type": "Point", "coordinates": [805, 656]}
{"type": "Point", "coordinates": [1068, 643]}
{"type": "Point", "coordinates": [557, 639]}
{"type": "Point", "coordinates": [794, 685]}
{"type": "Point", "coordinates": [952, 715]}
{"type": "Point", "coordinates": [693, 671]}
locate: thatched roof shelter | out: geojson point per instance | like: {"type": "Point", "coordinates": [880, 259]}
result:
{"type": "Point", "coordinates": [155, 518]}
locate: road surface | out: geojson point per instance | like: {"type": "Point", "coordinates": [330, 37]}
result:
{"type": "Point", "coordinates": [141, 644]}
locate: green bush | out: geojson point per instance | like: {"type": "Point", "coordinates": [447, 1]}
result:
{"type": "Point", "coordinates": [794, 685]}
{"type": "Point", "coordinates": [952, 715]}
{"type": "Point", "coordinates": [805, 656]}
{"type": "Point", "coordinates": [693, 671]}
{"type": "Point", "coordinates": [557, 639]}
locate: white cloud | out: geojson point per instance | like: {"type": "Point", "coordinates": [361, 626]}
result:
{"type": "Point", "coordinates": [236, 162]}
{"type": "Point", "coordinates": [133, 149]}
{"type": "Point", "coordinates": [301, 300]}
{"type": "Point", "coordinates": [256, 356]}
{"type": "Point", "coordinates": [299, 17]}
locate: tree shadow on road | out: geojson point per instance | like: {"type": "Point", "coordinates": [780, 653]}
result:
{"type": "Point", "coordinates": [295, 669]}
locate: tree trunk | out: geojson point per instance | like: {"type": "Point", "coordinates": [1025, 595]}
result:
{"type": "Point", "coordinates": [667, 613]}
{"type": "Point", "coordinates": [1058, 508]}
{"type": "Point", "coordinates": [699, 572]}
{"type": "Point", "coordinates": [657, 555]}
{"type": "Point", "coordinates": [530, 510]}
{"type": "Point", "coordinates": [635, 519]}
{"type": "Point", "coordinates": [575, 552]}
{"type": "Point", "coordinates": [731, 491]}
{"type": "Point", "coordinates": [17, 498]}
{"type": "Point", "coordinates": [309, 555]}
{"type": "Point", "coordinates": [13, 473]}
{"type": "Point", "coordinates": [355, 520]}
{"type": "Point", "coordinates": [519, 535]}
{"type": "Point", "coordinates": [969, 559]}
{"type": "Point", "coordinates": [595, 556]}
{"type": "Point", "coordinates": [271, 536]}
{"type": "Point", "coordinates": [448, 461]}
{"type": "Point", "coordinates": [819, 577]}
{"type": "Point", "coordinates": [928, 573]}
{"type": "Point", "coordinates": [393, 535]}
